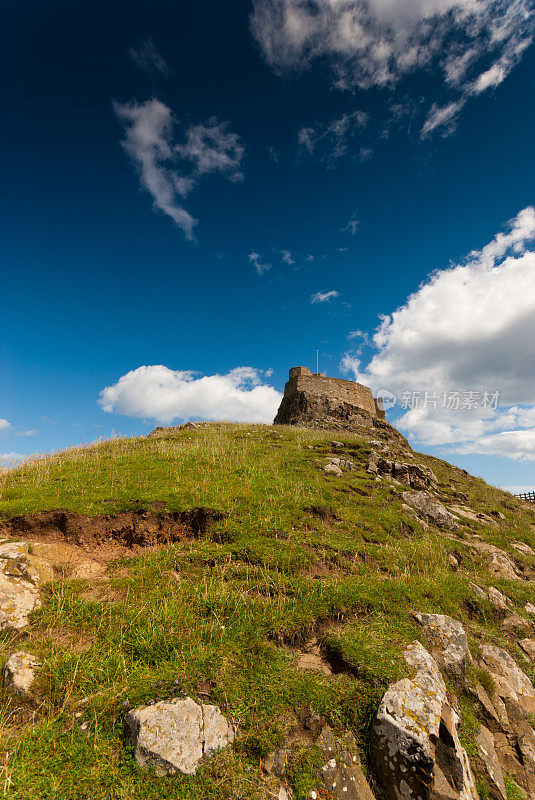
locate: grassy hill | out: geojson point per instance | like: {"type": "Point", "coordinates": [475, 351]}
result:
{"type": "Point", "coordinates": [225, 613]}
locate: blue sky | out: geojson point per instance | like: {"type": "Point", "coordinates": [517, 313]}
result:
{"type": "Point", "coordinates": [195, 196]}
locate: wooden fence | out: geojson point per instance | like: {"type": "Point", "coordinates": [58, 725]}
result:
{"type": "Point", "coordinates": [527, 496]}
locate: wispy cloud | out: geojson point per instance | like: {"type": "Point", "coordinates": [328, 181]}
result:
{"type": "Point", "coordinates": [324, 297]}
{"type": "Point", "coordinates": [260, 266]}
{"type": "Point", "coordinates": [331, 141]}
{"type": "Point", "coordinates": [286, 257]}
{"type": "Point", "coordinates": [148, 59]}
{"type": "Point", "coordinates": [358, 334]}
{"type": "Point", "coordinates": [443, 118]}
{"type": "Point", "coordinates": [164, 395]}
{"type": "Point", "coordinates": [274, 155]}
{"type": "Point", "coordinates": [170, 170]}
{"type": "Point", "coordinates": [373, 43]}
{"type": "Point", "coordinates": [351, 227]}
{"type": "Point", "coordinates": [7, 429]}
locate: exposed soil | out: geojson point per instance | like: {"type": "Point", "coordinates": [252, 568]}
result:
{"type": "Point", "coordinates": [325, 514]}
{"type": "Point", "coordinates": [108, 536]}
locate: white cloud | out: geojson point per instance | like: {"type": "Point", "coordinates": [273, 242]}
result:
{"type": "Point", "coordinates": [259, 265]}
{"type": "Point", "coordinates": [518, 445]}
{"type": "Point", "coordinates": [5, 426]}
{"type": "Point", "coordinates": [164, 395]}
{"type": "Point", "coordinates": [522, 230]}
{"type": "Point", "coordinates": [148, 59]}
{"type": "Point", "coordinates": [169, 171]}
{"type": "Point", "coordinates": [331, 141]}
{"type": "Point", "coordinates": [369, 43]}
{"type": "Point", "coordinates": [467, 328]}
{"type": "Point", "coordinates": [324, 297]}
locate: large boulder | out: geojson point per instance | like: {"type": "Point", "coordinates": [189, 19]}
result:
{"type": "Point", "coordinates": [173, 736]}
{"type": "Point", "coordinates": [447, 641]}
{"type": "Point", "coordinates": [430, 509]}
{"type": "Point", "coordinates": [416, 748]}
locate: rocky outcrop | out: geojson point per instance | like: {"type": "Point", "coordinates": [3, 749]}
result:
{"type": "Point", "coordinates": [337, 466]}
{"type": "Point", "coordinates": [447, 641]}
{"type": "Point", "coordinates": [416, 748]}
{"type": "Point", "coordinates": [173, 736]}
{"type": "Point", "coordinates": [498, 600]}
{"type": "Point", "coordinates": [523, 548]}
{"type": "Point", "coordinates": [470, 514]}
{"type": "Point", "coordinates": [502, 567]}
{"type": "Point", "coordinates": [528, 646]}
{"type": "Point", "coordinates": [508, 715]}
{"type": "Point", "coordinates": [413, 475]}
{"type": "Point", "coordinates": [487, 749]}
{"type": "Point", "coordinates": [341, 776]}
{"type": "Point", "coordinates": [511, 683]}
{"type": "Point", "coordinates": [430, 509]}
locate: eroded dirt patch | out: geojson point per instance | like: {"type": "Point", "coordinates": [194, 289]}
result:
{"type": "Point", "coordinates": [108, 536]}
{"type": "Point", "coordinates": [326, 515]}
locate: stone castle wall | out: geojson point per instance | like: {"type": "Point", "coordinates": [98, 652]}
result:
{"type": "Point", "coordinates": [315, 399]}
{"type": "Point", "coordinates": [335, 390]}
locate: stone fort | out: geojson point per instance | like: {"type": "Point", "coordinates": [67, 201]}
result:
{"type": "Point", "coordinates": [314, 399]}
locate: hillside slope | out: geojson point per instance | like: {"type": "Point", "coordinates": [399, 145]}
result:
{"type": "Point", "coordinates": [226, 564]}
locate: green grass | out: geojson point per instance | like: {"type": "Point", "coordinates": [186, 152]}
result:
{"type": "Point", "coordinates": [232, 607]}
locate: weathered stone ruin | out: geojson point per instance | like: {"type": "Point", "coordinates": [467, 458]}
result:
{"type": "Point", "coordinates": [315, 400]}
